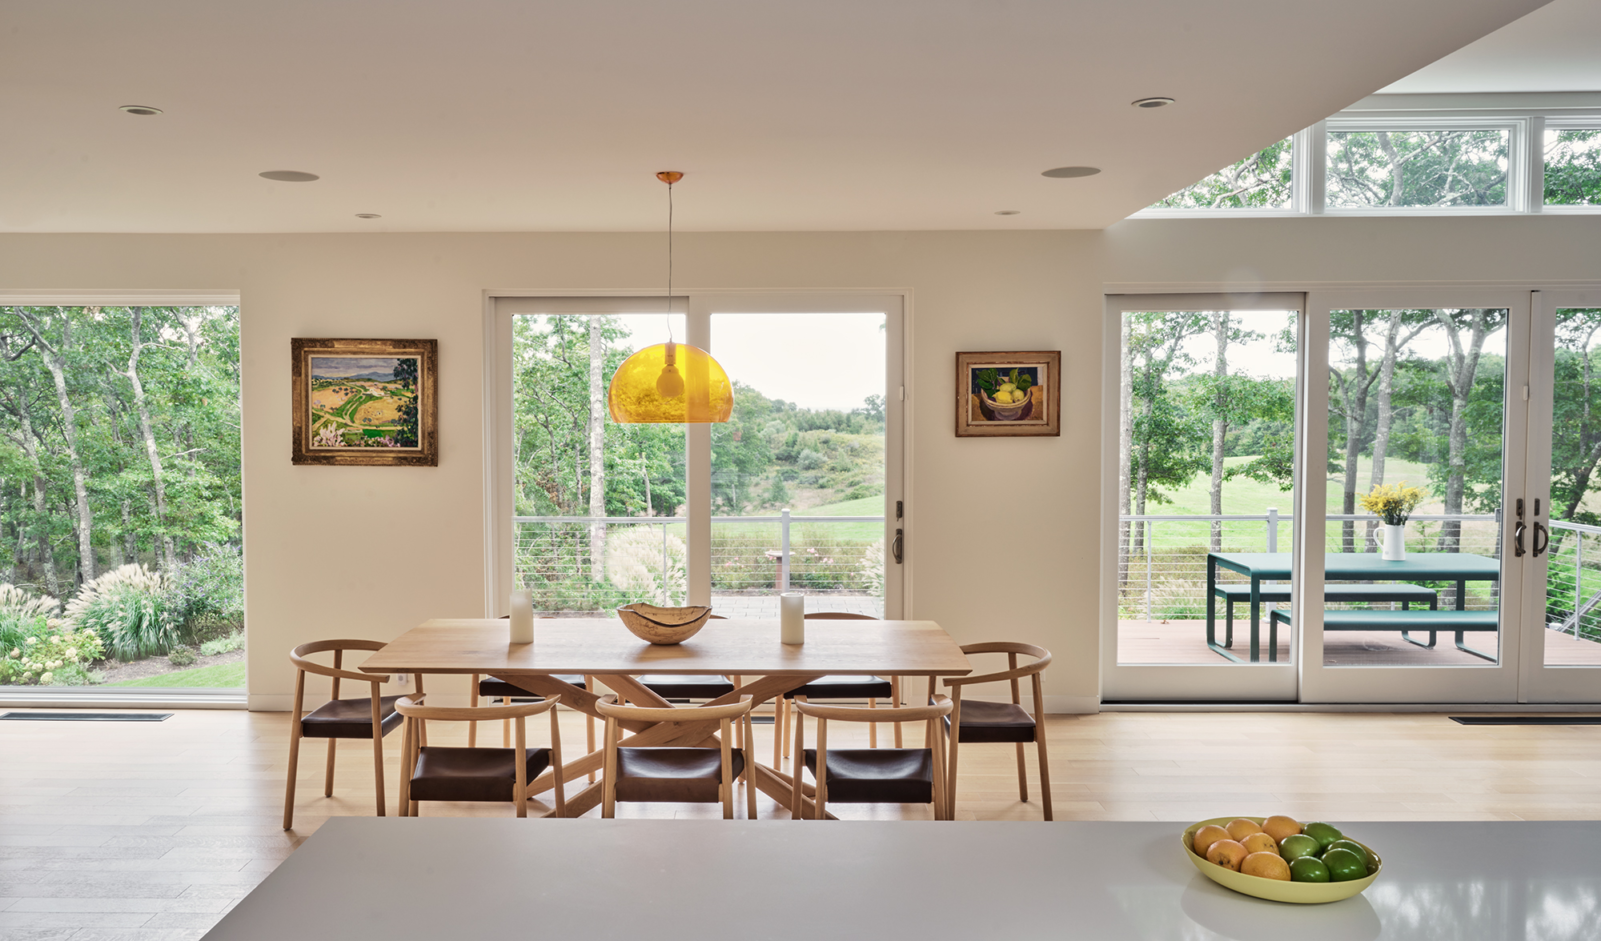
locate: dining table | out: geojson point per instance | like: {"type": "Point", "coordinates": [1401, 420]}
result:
{"type": "Point", "coordinates": [1259, 567]}
{"type": "Point", "coordinates": [745, 649]}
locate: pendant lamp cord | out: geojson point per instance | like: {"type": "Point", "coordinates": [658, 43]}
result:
{"type": "Point", "coordinates": [669, 261]}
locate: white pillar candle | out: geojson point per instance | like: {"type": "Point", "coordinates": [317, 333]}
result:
{"type": "Point", "coordinates": [522, 617]}
{"type": "Point", "coordinates": [792, 617]}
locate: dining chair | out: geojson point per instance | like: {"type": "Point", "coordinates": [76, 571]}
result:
{"type": "Point", "coordinates": [675, 774]}
{"type": "Point", "coordinates": [871, 775]}
{"type": "Point", "coordinates": [495, 688]}
{"type": "Point", "coordinates": [687, 686]}
{"type": "Point", "coordinates": [977, 721]}
{"type": "Point", "coordinates": [870, 688]}
{"type": "Point", "coordinates": [438, 773]}
{"type": "Point", "coordinates": [370, 718]}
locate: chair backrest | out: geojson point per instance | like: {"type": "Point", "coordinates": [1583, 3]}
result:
{"type": "Point", "coordinates": [939, 708]}
{"type": "Point", "coordinates": [838, 616]}
{"type": "Point", "coordinates": [412, 707]}
{"type": "Point", "coordinates": [608, 706]}
{"type": "Point", "coordinates": [299, 654]}
{"type": "Point", "coordinates": [1042, 659]}
{"type": "Point", "coordinates": [932, 713]}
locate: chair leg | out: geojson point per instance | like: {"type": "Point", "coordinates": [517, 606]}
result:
{"type": "Point", "coordinates": [406, 730]}
{"type": "Point", "coordinates": [589, 725]}
{"type": "Point", "coordinates": [787, 724]}
{"type": "Point", "coordinates": [608, 781]}
{"type": "Point", "coordinates": [294, 751]}
{"type": "Point", "coordinates": [377, 748]}
{"type": "Point", "coordinates": [795, 810]}
{"type": "Point", "coordinates": [505, 725]}
{"type": "Point", "coordinates": [895, 694]}
{"type": "Point", "coordinates": [474, 700]}
{"type": "Point", "coordinates": [1039, 738]}
{"type": "Point", "coordinates": [1022, 775]}
{"type": "Point", "coordinates": [519, 791]}
{"type": "Point", "coordinates": [328, 779]}
{"type": "Point", "coordinates": [778, 733]}
{"type": "Point", "coordinates": [872, 727]}
{"type": "Point", "coordinates": [750, 769]}
{"type": "Point", "coordinates": [952, 747]}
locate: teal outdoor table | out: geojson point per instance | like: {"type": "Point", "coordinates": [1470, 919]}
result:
{"type": "Point", "coordinates": [1458, 567]}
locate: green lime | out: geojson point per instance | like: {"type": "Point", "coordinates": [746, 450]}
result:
{"type": "Point", "coordinates": [1307, 869]}
{"type": "Point", "coordinates": [1324, 833]}
{"type": "Point", "coordinates": [1355, 847]}
{"type": "Point", "coordinates": [1345, 865]}
{"type": "Point", "coordinates": [1297, 845]}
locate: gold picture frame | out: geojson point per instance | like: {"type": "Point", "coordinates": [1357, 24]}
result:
{"type": "Point", "coordinates": [1011, 394]}
{"type": "Point", "coordinates": [365, 402]}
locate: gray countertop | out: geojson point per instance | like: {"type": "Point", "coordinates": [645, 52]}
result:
{"type": "Point", "coordinates": [665, 880]}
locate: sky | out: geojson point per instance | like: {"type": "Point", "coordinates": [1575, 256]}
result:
{"type": "Point", "coordinates": [814, 360]}
{"type": "Point", "coordinates": [335, 367]}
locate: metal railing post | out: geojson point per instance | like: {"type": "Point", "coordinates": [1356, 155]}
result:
{"type": "Point", "coordinates": [1578, 579]}
{"type": "Point", "coordinates": [783, 549]}
{"type": "Point", "coordinates": [1150, 529]}
{"type": "Point", "coordinates": [1272, 529]}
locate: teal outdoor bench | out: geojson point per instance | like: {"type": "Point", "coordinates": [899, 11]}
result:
{"type": "Point", "coordinates": [1459, 622]}
{"type": "Point", "coordinates": [1406, 595]}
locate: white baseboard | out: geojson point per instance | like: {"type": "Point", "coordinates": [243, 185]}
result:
{"type": "Point", "coordinates": [124, 698]}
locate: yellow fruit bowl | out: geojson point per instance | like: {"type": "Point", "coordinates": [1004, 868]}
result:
{"type": "Point", "coordinates": [1301, 893]}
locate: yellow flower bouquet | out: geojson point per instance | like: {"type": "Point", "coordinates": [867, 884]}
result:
{"type": "Point", "coordinates": [1393, 503]}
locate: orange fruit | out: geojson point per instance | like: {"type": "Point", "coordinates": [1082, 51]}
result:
{"type": "Point", "coordinates": [1266, 865]}
{"type": "Point", "coordinates": [1229, 855]}
{"type": "Point", "coordinates": [1240, 828]}
{"type": "Point", "coordinates": [1279, 827]}
{"type": "Point", "coordinates": [1260, 843]}
{"type": "Point", "coordinates": [1206, 836]}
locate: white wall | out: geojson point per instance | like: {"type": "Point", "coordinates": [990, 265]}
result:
{"type": "Point", "coordinates": [970, 291]}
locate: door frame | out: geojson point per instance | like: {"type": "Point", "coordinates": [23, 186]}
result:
{"type": "Point", "coordinates": [1537, 682]}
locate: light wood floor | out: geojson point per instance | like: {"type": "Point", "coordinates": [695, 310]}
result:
{"type": "Point", "coordinates": [153, 831]}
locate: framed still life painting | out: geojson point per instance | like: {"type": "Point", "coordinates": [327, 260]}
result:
{"type": "Point", "coordinates": [1008, 394]}
{"type": "Point", "coordinates": [365, 402]}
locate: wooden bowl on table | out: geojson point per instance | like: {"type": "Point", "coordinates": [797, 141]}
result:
{"type": "Point", "coordinates": [663, 625]}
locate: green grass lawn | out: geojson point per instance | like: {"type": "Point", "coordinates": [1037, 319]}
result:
{"type": "Point", "coordinates": [219, 676]}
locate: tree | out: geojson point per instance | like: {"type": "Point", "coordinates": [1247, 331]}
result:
{"type": "Point", "coordinates": [1417, 168]}
{"type": "Point", "coordinates": [1260, 181]}
{"type": "Point", "coordinates": [406, 435]}
{"type": "Point", "coordinates": [1467, 331]}
{"type": "Point", "coordinates": [1164, 442]}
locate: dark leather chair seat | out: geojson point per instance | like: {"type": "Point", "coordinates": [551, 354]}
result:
{"type": "Point", "coordinates": [349, 718]}
{"type": "Point", "coordinates": [994, 722]}
{"type": "Point", "coordinates": [472, 774]}
{"type": "Point", "coordinates": [499, 688]}
{"type": "Point", "coordinates": [686, 686]}
{"type": "Point", "coordinates": [672, 774]}
{"type": "Point", "coordinates": [877, 775]}
{"type": "Point", "coordinates": [844, 687]}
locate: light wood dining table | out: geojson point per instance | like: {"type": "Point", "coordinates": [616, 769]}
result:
{"type": "Point", "coordinates": [603, 648]}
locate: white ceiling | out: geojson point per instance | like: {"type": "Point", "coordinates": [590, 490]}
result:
{"type": "Point", "coordinates": [499, 115]}
{"type": "Point", "coordinates": [1556, 48]}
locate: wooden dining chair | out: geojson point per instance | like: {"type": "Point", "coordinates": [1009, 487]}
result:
{"type": "Point", "coordinates": [687, 686]}
{"type": "Point", "coordinates": [675, 774]}
{"type": "Point", "coordinates": [370, 718]}
{"type": "Point", "coordinates": [508, 693]}
{"type": "Point", "coordinates": [870, 688]}
{"type": "Point", "coordinates": [871, 775]}
{"type": "Point", "coordinates": [977, 721]}
{"type": "Point", "coordinates": [438, 773]}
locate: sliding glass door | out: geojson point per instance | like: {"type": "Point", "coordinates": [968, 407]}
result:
{"type": "Point", "coordinates": [1199, 516]}
{"type": "Point", "coordinates": [1420, 569]}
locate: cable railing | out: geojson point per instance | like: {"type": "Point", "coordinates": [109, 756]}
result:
{"type": "Point", "coordinates": [1162, 559]}
{"type": "Point", "coordinates": [585, 564]}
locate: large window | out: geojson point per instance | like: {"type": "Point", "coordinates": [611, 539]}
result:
{"type": "Point", "coordinates": [1408, 163]}
{"type": "Point", "coordinates": [120, 498]}
{"type": "Point", "coordinates": [795, 492]}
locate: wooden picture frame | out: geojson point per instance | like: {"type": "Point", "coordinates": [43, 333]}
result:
{"type": "Point", "coordinates": [986, 383]}
{"type": "Point", "coordinates": [365, 402]}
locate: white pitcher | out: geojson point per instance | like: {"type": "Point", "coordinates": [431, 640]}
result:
{"type": "Point", "coordinates": [1394, 543]}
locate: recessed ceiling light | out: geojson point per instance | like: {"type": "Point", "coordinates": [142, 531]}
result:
{"type": "Point", "coordinates": [1007, 212]}
{"type": "Point", "coordinates": [1151, 102]}
{"type": "Point", "coordinates": [142, 110]}
{"type": "Point", "coordinates": [289, 176]}
{"type": "Point", "coordinates": [368, 215]}
{"type": "Point", "coordinates": [1063, 173]}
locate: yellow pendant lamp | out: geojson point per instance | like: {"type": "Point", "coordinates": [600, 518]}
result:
{"type": "Point", "coordinates": [670, 383]}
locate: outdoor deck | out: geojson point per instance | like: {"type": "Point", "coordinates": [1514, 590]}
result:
{"type": "Point", "coordinates": [1185, 642]}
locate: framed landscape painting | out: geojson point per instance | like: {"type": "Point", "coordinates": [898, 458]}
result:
{"type": "Point", "coordinates": [365, 402]}
{"type": "Point", "coordinates": [1008, 394]}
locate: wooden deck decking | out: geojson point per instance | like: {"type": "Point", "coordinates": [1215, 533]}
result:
{"type": "Point", "coordinates": [1185, 642]}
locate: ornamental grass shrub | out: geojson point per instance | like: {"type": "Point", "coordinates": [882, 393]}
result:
{"type": "Point", "coordinates": [127, 608]}
{"type": "Point", "coordinates": [37, 649]}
